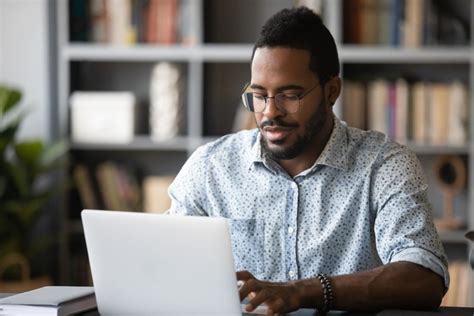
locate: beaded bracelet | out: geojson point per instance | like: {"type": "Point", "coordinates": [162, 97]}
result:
{"type": "Point", "coordinates": [327, 293]}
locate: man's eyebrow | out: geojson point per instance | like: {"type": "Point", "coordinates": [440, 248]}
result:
{"type": "Point", "coordinates": [279, 89]}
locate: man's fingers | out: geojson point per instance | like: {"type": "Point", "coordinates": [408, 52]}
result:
{"type": "Point", "coordinates": [251, 285]}
{"type": "Point", "coordinates": [260, 298]}
{"type": "Point", "coordinates": [276, 306]}
{"type": "Point", "coordinates": [244, 275]}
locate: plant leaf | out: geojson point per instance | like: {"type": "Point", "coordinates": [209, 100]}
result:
{"type": "Point", "coordinates": [53, 153]}
{"type": "Point", "coordinates": [8, 99]}
{"type": "Point", "coordinates": [29, 152]}
{"type": "Point", "coordinates": [18, 176]}
{"type": "Point", "coordinates": [25, 211]}
{"type": "Point", "coordinates": [9, 129]}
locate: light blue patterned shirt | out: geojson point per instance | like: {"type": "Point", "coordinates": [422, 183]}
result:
{"type": "Point", "coordinates": [362, 204]}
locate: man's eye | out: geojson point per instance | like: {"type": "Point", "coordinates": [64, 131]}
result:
{"type": "Point", "coordinates": [288, 97]}
{"type": "Point", "coordinates": [258, 97]}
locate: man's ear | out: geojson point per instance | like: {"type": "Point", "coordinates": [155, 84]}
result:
{"type": "Point", "coordinates": [333, 89]}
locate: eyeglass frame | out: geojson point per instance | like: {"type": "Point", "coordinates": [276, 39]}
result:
{"type": "Point", "coordinates": [300, 97]}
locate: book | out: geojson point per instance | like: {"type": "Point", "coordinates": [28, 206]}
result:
{"type": "Point", "coordinates": [420, 108]}
{"type": "Point", "coordinates": [187, 19]}
{"type": "Point", "coordinates": [352, 21]}
{"type": "Point", "coordinates": [401, 111]}
{"type": "Point", "coordinates": [118, 187]}
{"type": "Point", "coordinates": [377, 105]}
{"type": "Point", "coordinates": [354, 105]}
{"type": "Point", "coordinates": [79, 20]}
{"type": "Point", "coordinates": [155, 194]}
{"type": "Point", "coordinates": [438, 115]}
{"type": "Point", "coordinates": [83, 181]}
{"type": "Point", "coordinates": [50, 300]}
{"type": "Point", "coordinates": [368, 18]}
{"type": "Point", "coordinates": [119, 19]}
{"type": "Point", "coordinates": [108, 181]}
{"type": "Point", "coordinates": [458, 114]}
{"type": "Point", "coordinates": [98, 19]}
{"type": "Point", "coordinates": [384, 21]}
{"type": "Point", "coordinates": [396, 18]}
{"type": "Point", "coordinates": [413, 23]}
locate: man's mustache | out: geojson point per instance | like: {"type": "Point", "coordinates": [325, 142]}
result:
{"type": "Point", "coordinates": [277, 123]}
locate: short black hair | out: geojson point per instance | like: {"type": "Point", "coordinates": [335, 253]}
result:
{"type": "Point", "coordinates": [301, 28]}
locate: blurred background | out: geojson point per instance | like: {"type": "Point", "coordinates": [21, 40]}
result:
{"type": "Point", "coordinates": [102, 101]}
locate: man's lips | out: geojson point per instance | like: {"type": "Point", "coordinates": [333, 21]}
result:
{"type": "Point", "coordinates": [276, 133]}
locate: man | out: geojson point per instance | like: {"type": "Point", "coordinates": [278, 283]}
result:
{"type": "Point", "coordinates": [321, 215]}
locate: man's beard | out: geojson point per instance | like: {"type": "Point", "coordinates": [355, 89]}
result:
{"type": "Point", "coordinates": [313, 128]}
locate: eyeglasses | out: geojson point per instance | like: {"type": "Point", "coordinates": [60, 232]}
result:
{"type": "Point", "coordinates": [285, 102]}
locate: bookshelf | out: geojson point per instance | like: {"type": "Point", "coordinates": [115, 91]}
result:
{"type": "Point", "coordinates": [216, 67]}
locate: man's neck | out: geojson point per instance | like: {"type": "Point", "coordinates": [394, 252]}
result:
{"type": "Point", "coordinates": [309, 156]}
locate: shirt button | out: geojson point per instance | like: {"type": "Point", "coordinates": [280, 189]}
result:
{"type": "Point", "coordinates": [290, 230]}
{"type": "Point", "coordinates": [291, 273]}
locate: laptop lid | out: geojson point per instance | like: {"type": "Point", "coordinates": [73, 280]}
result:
{"type": "Point", "coordinates": [160, 264]}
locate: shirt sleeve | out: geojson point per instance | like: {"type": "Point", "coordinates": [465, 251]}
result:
{"type": "Point", "coordinates": [404, 228]}
{"type": "Point", "coordinates": [188, 190]}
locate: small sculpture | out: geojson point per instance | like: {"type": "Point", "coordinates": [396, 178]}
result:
{"type": "Point", "coordinates": [450, 174]}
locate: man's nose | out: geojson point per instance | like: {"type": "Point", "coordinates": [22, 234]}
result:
{"type": "Point", "coordinates": [271, 109]}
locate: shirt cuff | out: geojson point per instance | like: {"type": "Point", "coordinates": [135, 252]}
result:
{"type": "Point", "coordinates": [424, 258]}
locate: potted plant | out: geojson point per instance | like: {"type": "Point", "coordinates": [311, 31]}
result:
{"type": "Point", "coordinates": [25, 189]}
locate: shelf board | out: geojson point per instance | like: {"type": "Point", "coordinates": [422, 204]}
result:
{"type": "Point", "coordinates": [227, 52]}
{"type": "Point", "coordinates": [376, 54]}
{"type": "Point", "coordinates": [455, 236]}
{"type": "Point", "coordinates": [145, 52]}
{"type": "Point", "coordinates": [139, 52]}
{"type": "Point", "coordinates": [243, 52]}
{"type": "Point", "coordinates": [428, 149]}
{"type": "Point", "coordinates": [140, 142]}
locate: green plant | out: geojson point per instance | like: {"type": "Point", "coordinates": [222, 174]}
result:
{"type": "Point", "coordinates": [25, 166]}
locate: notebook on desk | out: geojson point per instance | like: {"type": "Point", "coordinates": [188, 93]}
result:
{"type": "Point", "coordinates": [160, 264]}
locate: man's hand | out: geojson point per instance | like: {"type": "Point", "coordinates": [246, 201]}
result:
{"type": "Point", "coordinates": [279, 297]}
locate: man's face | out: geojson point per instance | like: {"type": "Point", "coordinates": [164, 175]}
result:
{"type": "Point", "coordinates": [286, 70]}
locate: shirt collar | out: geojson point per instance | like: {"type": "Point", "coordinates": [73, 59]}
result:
{"type": "Point", "coordinates": [333, 155]}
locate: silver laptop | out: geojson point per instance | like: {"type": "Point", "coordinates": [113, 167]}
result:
{"type": "Point", "coordinates": [160, 264]}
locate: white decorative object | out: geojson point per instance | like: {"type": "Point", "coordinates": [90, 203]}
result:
{"type": "Point", "coordinates": [166, 101]}
{"type": "Point", "coordinates": [102, 117]}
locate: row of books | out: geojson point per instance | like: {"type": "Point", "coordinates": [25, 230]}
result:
{"type": "Point", "coordinates": [421, 112]}
{"type": "Point", "coordinates": [412, 23]}
{"type": "Point", "coordinates": [114, 186]}
{"type": "Point", "coordinates": [460, 291]}
{"type": "Point", "coordinates": [126, 22]}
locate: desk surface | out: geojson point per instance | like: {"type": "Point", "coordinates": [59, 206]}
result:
{"type": "Point", "coordinates": [448, 311]}
{"type": "Point", "coordinates": [451, 311]}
